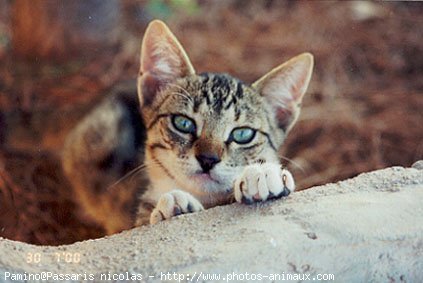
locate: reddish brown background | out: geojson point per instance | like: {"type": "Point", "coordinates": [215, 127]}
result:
{"type": "Point", "coordinates": [363, 110]}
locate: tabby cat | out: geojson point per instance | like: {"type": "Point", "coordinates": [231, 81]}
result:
{"type": "Point", "coordinates": [189, 142]}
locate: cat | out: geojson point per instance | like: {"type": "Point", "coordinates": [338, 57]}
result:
{"type": "Point", "coordinates": [189, 142]}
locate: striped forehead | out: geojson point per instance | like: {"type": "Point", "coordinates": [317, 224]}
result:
{"type": "Point", "coordinates": [213, 96]}
{"type": "Point", "coordinates": [218, 91]}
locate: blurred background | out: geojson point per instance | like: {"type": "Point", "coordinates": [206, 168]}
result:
{"type": "Point", "coordinates": [363, 110]}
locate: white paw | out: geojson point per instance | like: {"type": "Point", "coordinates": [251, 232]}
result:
{"type": "Point", "coordinates": [173, 204]}
{"type": "Point", "coordinates": [259, 182]}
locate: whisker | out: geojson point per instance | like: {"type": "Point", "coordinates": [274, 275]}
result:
{"type": "Point", "coordinates": [185, 93]}
{"type": "Point", "coordinates": [127, 175]}
{"type": "Point", "coordinates": [293, 163]}
{"type": "Point", "coordinates": [131, 173]}
{"type": "Point", "coordinates": [181, 95]}
{"type": "Point", "coordinates": [152, 165]}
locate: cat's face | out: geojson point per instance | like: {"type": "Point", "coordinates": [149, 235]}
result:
{"type": "Point", "coordinates": [203, 129]}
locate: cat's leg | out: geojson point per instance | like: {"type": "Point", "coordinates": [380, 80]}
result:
{"type": "Point", "coordinates": [170, 204]}
{"type": "Point", "coordinates": [259, 182]}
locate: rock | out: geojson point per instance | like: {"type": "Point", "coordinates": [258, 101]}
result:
{"type": "Point", "coordinates": [418, 165]}
{"type": "Point", "coordinates": [368, 228]}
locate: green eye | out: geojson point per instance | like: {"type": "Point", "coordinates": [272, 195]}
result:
{"type": "Point", "coordinates": [243, 135]}
{"type": "Point", "coordinates": [183, 124]}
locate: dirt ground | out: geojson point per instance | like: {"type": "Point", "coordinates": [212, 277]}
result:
{"type": "Point", "coordinates": [363, 110]}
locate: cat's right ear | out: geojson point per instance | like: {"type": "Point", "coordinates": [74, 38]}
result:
{"type": "Point", "coordinates": [163, 60]}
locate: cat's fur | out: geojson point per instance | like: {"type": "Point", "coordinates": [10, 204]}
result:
{"type": "Point", "coordinates": [176, 172]}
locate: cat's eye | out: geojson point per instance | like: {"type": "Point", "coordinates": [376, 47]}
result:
{"type": "Point", "coordinates": [183, 124]}
{"type": "Point", "coordinates": [243, 135]}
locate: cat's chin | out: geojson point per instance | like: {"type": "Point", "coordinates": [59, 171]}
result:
{"type": "Point", "coordinates": [205, 182]}
{"type": "Point", "coordinates": [203, 178]}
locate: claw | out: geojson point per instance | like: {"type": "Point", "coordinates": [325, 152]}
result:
{"type": "Point", "coordinates": [284, 178]}
{"type": "Point", "coordinates": [177, 211]}
{"type": "Point", "coordinates": [285, 191]}
{"type": "Point", "coordinates": [245, 200]}
{"type": "Point", "coordinates": [190, 208]}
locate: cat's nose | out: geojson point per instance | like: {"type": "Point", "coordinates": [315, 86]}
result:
{"type": "Point", "coordinates": [207, 161]}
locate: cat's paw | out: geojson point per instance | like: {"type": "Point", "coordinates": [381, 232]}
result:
{"type": "Point", "coordinates": [174, 203]}
{"type": "Point", "coordinates": [259, 182]}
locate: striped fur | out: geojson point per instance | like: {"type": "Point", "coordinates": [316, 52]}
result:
{"type": "Point", "coordinates": [118, 159]}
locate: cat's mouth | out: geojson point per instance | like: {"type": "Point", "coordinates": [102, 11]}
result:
{"type": "Point", "coordinates": [204, 178]}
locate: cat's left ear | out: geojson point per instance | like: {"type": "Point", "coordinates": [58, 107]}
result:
{"type": "Point", "coordinates": [163, 60]}
{"type": "Point", "coordinates": [284, 88]}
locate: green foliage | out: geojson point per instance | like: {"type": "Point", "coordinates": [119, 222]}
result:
{"type": "Point", "coordinates": [163, 9]}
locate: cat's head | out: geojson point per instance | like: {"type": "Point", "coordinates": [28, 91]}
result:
{"type": "Point", "coordinates": [203, 129]}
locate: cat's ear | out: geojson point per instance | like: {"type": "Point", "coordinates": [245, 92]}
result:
{"type": "Point", "coordinates": [163, 60]}
{"type": "Point", "coordinates": [285, 86]}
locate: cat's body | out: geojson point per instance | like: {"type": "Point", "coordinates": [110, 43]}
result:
{"type": "Point", "coordinates": [200, 141]}
{"type": "Point", "coordinates": [104, 147]}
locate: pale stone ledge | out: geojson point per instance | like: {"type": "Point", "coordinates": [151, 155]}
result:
{"type": "Point", "coordinates": [365, 229]}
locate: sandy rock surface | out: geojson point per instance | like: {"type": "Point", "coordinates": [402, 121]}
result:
{"type": "Point", "coordinates": [365, 229]}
